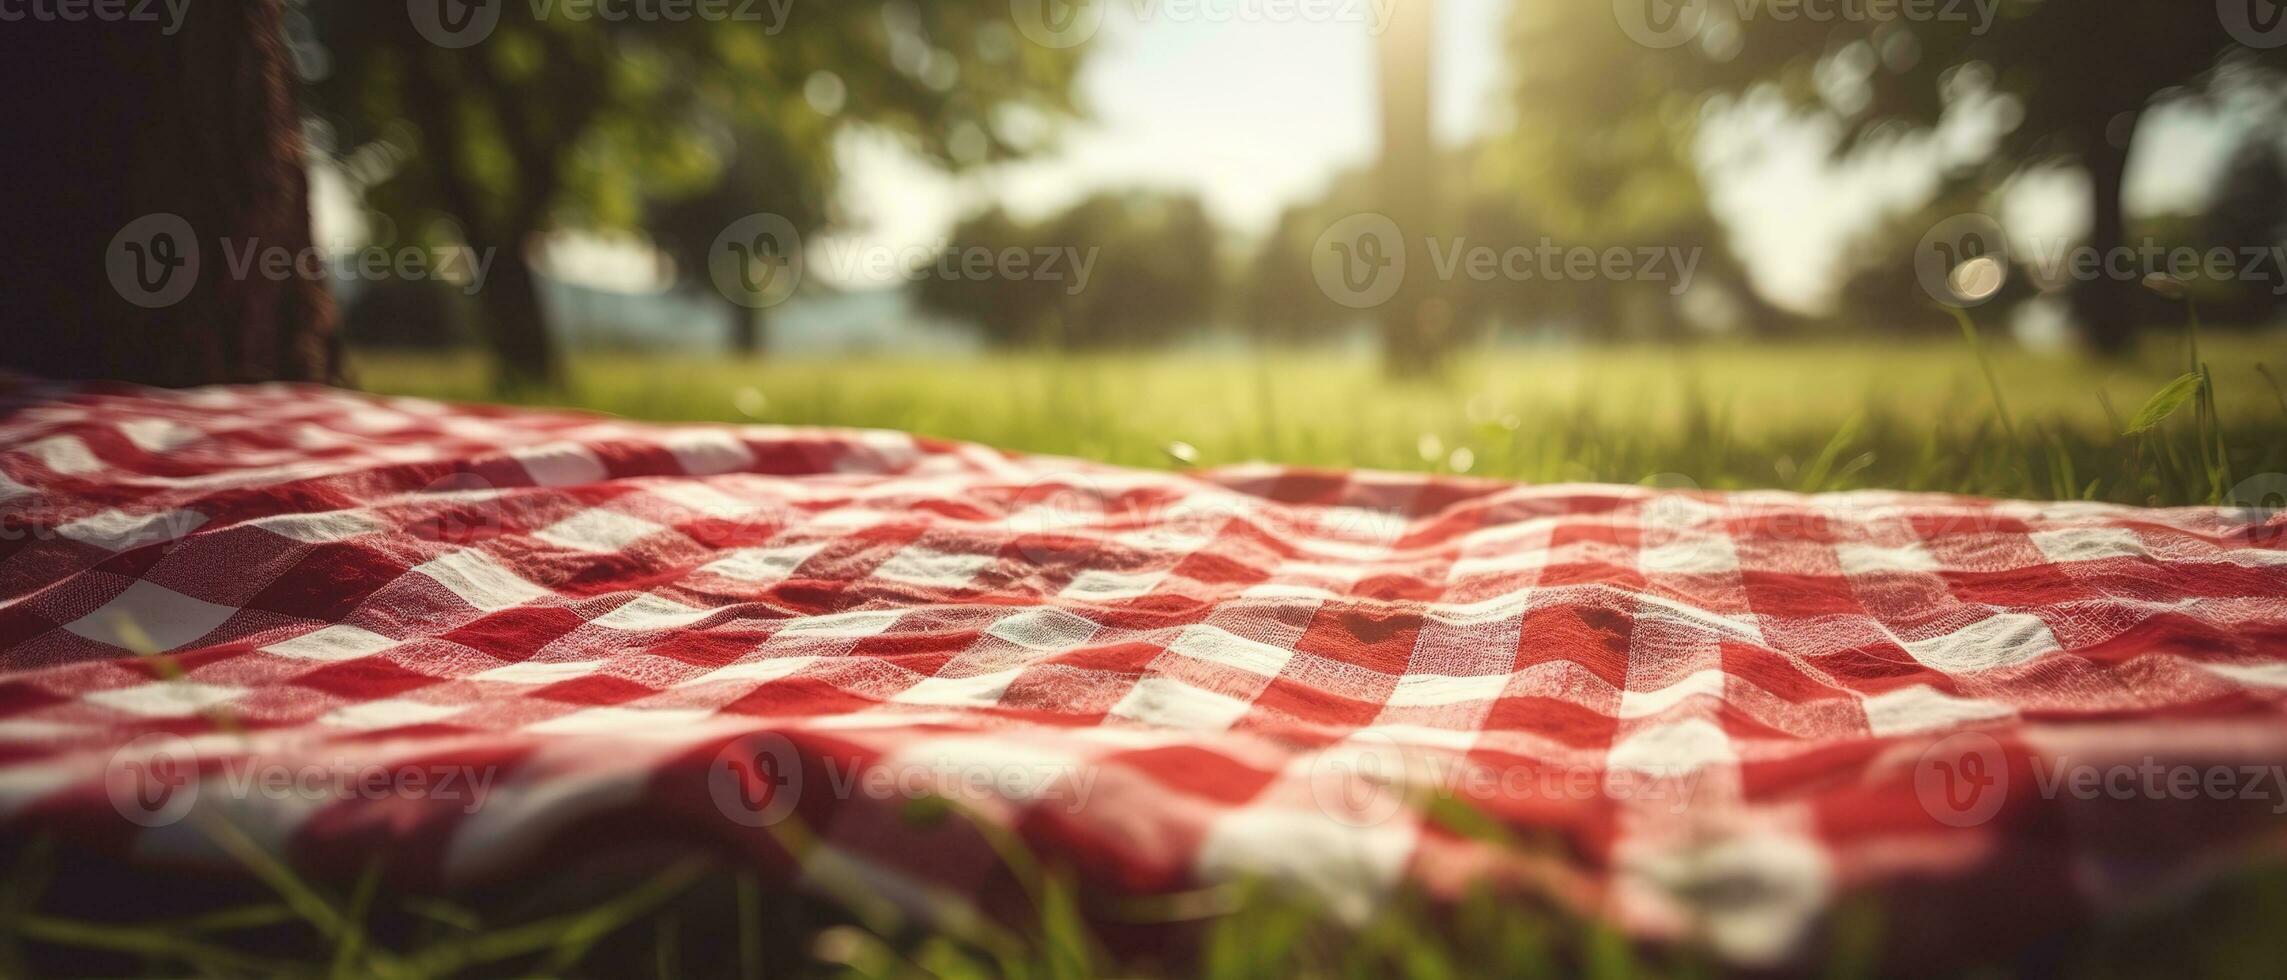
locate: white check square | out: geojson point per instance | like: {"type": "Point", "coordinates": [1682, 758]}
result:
{"type": "Point", "coordinates": [597, 530]}
{"type": "Point", "coordinates": [1218, 646]}
{"type": "Point", "coordinates": [337, 642]}
{"type": "Point", "coordinates": [1101, 585]}
{"type": "Point", "coordinates": [919, 565]}
{"type": "Point", "coordinates": [1170, 703]}
{"type": "Point", "coordinates": [165, 699]}
{"type": "Point", "coordinates": [1425, 690]}
{"type": "Point", "coordinates": [481, 581]}
{"type": "Point", "coordinates": [763, 565]}
{"type": "Point", "coordinates": [150, 618]}
{"type": "Point", "coordinates": [1044, 629]}
{"type": "Point", "coordinates": [535, 672]}
{"type": "Point", "coordinates": [388, 713]}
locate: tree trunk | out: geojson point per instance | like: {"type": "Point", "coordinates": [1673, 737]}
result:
{"type": "Point", "coordinates": [1416, 322]}
{"type": "Point", "coordinates": [2106, 304]}
{"type": "Point", "coordinates": [154, 169]}
{"type": "Point", "coordinates": [516, 325]}
{"type": "Point", "coordinates": [747, 329]}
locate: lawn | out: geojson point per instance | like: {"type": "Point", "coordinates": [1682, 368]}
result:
{"type": "Point", "coordinates": [1809, 417]}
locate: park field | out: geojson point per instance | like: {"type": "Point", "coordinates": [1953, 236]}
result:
{"type": "Point", "coordinates": [1807, 417]}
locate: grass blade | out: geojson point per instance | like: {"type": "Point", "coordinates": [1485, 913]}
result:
{"type": "Point", "coordinates": [2163, 403]}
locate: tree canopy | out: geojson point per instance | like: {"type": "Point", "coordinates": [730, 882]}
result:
{"type": "Point", "coordinates": [530, 118]}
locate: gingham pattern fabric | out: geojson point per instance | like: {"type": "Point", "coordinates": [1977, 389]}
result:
{"type": "Point", "coordinates": [1707, 714]}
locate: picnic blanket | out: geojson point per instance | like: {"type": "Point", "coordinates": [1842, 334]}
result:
{"type": "Point", "coordinates": [479, 640]}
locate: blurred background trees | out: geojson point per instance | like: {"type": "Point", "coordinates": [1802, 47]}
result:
{"type": "Point", "coordinates": [2047, 83]}
{"type": "Point", "coordinates": [1117, 269]}
{"type": "Point", "coordinates": [554, 122]}
{"type": "Point", "coordinates": [664, 133]}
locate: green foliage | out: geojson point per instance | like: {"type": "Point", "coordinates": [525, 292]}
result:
{"type": "Point", "coordinates": [1610, 126]}
{"type": "Point", "coordinates": [1117, 269]}
{"type": "Point", "coordinates": [554, 121]}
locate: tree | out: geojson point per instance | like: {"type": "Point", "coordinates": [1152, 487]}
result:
{"type": "Point", "coordinates": [1416, 320]}
{"type": "Point", "coordinates": [763, 172]}
{"type": "Point", "coordinates": [145, 158]}
{"type": "Point", "coordinates": [1599, 151]}
{"type": "Point", "coordinates": [2065, 82]}
{"type": "Point", "coordinates": [2250, 213]}
{"type": "Point", "coordinates": [1881, 290]}
{"type": "Point", "coordinates": [515, 119]}
{"type": "Point", "coordinates": [1117, 269]}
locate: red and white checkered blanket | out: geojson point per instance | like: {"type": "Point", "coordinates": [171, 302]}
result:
{"type": "Point", "coordinates": [480, 640]}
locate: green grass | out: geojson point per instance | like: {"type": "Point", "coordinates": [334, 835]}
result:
{"type": "Point", "coordinates": [1917, 417]}
{"type": "Point", "coordinates": [1944, 417]}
